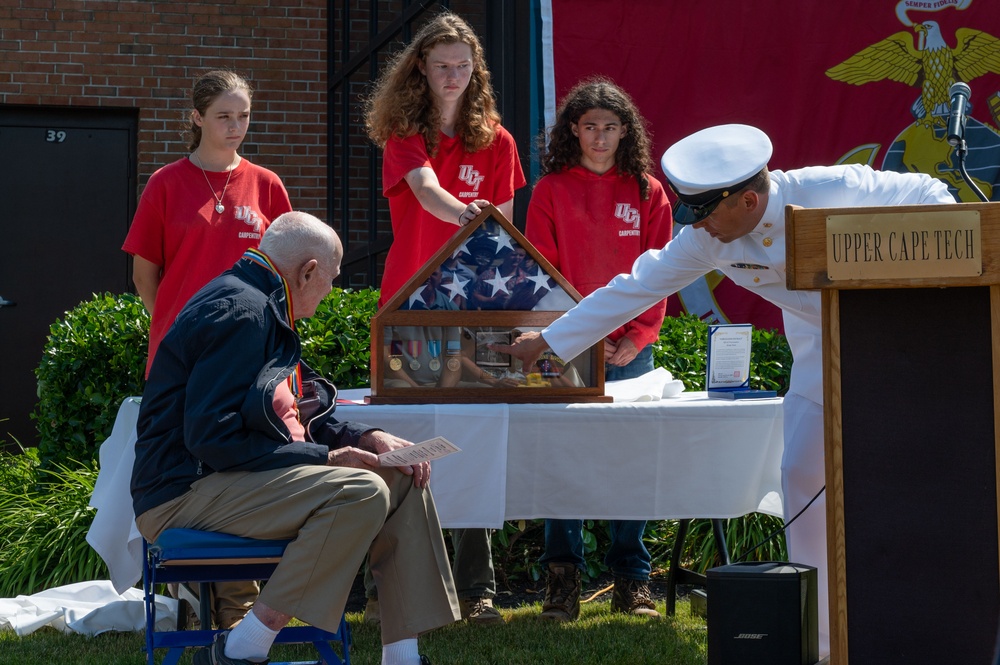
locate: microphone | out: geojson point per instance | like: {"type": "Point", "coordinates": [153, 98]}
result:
{"type": "Point", "coordinates": [959, 93]}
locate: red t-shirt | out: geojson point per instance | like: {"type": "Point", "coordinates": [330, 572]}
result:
{"type": "Point", "coordinates": [493, 173]}
{"type": "Point", "coordinates": [177, 228]}
{"type": "Point", "coordinates": [592, 227]}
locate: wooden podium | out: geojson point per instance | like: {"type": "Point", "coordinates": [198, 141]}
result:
{"type": "Point", "coordinates": [911, 358]}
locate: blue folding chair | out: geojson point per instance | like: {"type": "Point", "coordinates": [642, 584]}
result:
{"type": "Point", "coordinates": [189, 555]}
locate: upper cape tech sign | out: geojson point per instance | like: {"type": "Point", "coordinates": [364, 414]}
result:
{"type": "Point", "coordinates": [904, 245]}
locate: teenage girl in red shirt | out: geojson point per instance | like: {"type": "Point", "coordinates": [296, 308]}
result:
{"type": "Point", "coordinates": [199, 214]}
{"type": "Point", "coordinates": [445, 153]}
{"type": "Point", "coordinates": [445, 157]}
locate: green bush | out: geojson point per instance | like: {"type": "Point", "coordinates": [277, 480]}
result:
{"type": "Point", "coordinates": [746, 539]}
{"type": "Point", "coordinates": [683, 349]}
{"type": "Point", "coordinates": [95, 357]}
{"type": "Point", "coordinates": [336, 339]}
{"type": "Point", "coordinates": [44, 518]}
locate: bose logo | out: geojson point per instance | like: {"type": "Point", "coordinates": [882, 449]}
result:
{"type": "Point", "coordinates": [750, 636]}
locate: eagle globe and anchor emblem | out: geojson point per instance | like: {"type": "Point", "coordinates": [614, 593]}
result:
{"type": "Point", "coordinates": [924, 60]}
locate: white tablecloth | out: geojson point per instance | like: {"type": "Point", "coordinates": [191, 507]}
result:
{"type": "Point", "coordinates": [113, 533]}
{"type": "Point", "coordinates": [687, 456]}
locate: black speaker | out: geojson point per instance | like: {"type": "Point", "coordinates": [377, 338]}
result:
{"type": "Point", "coordinates": [762, 613]}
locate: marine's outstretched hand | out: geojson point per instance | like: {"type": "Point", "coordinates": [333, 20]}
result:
{"type": "Point", "coordinates": [527, 347]}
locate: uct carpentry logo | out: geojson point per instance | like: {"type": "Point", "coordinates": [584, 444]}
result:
{"type": "Point", "coordinates": [471, 177]}
{"type": "Point", "coordinates": [247, 215]}
{"type": "Point", "coordinates": [925, 60]}
{"type": "Point", "coordinates": [629, 215]}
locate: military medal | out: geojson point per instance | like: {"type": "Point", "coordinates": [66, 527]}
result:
{"type": "Point", "coordinates": [453, 348]}
{"type": "Point", "coordinates": [395, 351]}
{"type": "Point", "coordinates": [413, 348]}
{"type": "Point", "coordinates": [434, 349]}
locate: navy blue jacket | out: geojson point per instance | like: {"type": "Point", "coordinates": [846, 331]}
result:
{"type": "Point", "coordinates": [208, 401]}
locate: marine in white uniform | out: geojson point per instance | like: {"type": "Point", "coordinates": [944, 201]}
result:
{"type": "Point", "coordinates": [734, 212]}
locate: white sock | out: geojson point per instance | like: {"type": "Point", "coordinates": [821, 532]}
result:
{"type": "Point", "coordinates": [403, 652]}
{"type": "Point", "coordinates": [250, 639]}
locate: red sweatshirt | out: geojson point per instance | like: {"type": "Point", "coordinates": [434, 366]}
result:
{"type": "Point", "coordinates": [592, 227]}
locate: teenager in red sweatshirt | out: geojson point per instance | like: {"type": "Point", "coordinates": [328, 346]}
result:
{"type": "Point", "coordinates": [593, 212]}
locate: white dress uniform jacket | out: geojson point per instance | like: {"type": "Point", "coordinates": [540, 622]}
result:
{"type": "Point", "coordinates": [755, 262]}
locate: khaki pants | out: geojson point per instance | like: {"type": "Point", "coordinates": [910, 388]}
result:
{"type": "Point", "coordinates": [335, 515]}
{"type": "Point", "coordinates": [471, 565]}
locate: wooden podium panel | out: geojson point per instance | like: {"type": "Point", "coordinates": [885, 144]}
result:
{"type": "Point", "coordinates": [916, 569]}
{"type": "Point", "coordinates": [911, 366]}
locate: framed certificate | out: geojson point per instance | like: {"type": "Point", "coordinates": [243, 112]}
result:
{"type": "Point", "coordinates": [728, 366]}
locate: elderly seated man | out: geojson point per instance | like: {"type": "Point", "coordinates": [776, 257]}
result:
{"type": "Point", "coordinates": [237, 435]}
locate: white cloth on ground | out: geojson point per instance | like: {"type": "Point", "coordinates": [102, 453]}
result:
{"type": "Point", "coordinates": [88, 608]}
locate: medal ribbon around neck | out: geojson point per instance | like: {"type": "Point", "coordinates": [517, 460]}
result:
{"type": "Point", "coordinates": [262, 259]}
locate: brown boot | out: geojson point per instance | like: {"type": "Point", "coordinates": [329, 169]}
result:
{"type": "Point", "coordinates": [632, 597]}
{"type": "Point", "coordinates": [480, 611]}
{"type": "Point", "coordinates": [562, 593]}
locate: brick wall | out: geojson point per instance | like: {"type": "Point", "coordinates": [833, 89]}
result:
{"type": "Point", "coordinates": [146, 55]}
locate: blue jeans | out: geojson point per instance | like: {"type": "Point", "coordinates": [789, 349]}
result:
{"type": "Point", "coordinates": [642, 363]}
{"type": "Point", "coordinates": [627, 557]}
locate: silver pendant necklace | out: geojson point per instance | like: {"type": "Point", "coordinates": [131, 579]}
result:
{"type": "Point", "coordinates": [219, 208]}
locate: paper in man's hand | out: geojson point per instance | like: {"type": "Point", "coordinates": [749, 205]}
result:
{"type": "Point", "coordinates": [424, 451]}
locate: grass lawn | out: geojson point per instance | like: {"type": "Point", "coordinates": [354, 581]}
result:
{"type": "Point", "coordinates": [597, 638]}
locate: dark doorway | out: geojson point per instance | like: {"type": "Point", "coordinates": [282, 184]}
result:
{"type": "Point", "coordinates": [69, 187]}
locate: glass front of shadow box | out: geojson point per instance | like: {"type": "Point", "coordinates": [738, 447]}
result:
{"type": "Point", "coordinates": [489, 271]}
{"type": "Point", "coordinates": [459, 356]}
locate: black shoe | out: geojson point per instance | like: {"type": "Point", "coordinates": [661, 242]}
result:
{"type": "Point", "coordinates": [215, 654]}
{"type": "Point", "coordinates": [424, 660]}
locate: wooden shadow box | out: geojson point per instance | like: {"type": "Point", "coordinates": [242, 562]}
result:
{"type": "Point", "coordinates": [431, 341]}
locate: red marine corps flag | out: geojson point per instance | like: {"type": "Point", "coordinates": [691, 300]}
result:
{"type": "Point", "coordinates": [835, 81]}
